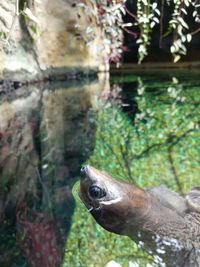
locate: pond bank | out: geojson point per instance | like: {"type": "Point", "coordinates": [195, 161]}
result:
{"type": "Point", "coordinates": [156, 66]}
{"type": "Point", "coordinates": [10, 82]}
{"type": "Point", "coordinates": [13, 80]}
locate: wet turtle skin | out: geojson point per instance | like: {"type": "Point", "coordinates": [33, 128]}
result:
{"type": "Point", "coordinates": [157, 217]}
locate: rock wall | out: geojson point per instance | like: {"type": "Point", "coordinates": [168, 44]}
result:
{"type": "Point", "coordinates": [58, 45]}
{"type": "Point", "coordinates": [16, 53]}
{"type": "Point", "coordinates": [43, 40]}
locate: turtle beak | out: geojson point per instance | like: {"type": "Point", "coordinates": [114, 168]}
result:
{"type": "Point", "coordinates": [84, 172]}
{"type": "Point", "coordinates": [84, 184]}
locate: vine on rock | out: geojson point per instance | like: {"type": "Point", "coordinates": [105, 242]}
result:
{"type": "Point", "coordinates": [104, 20]}
{"type": "Point", "coordinates": [105, 17]}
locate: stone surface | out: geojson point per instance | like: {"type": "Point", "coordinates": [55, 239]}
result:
{"type": "Point", "coordinates": [55, 45]}
{"type": "Point", "coordinates": [16, 53]}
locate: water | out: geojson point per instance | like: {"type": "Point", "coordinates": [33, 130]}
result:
{"type": "Point", "coordinates": [143, 128]}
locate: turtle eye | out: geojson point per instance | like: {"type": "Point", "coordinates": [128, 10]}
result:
{"type": "Point", "coordinates": [96, 192]}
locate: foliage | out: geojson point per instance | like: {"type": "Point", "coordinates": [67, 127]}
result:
{"type": "Point", "coordinates": [32, 22]}
{"type": "Point", "coordinates": [147, 14]}
{"type": "Point", "coordinates": [144, 153]}
{"type": "Point", "coordinates": [104, 20]}
{"type": "Point", "coordinates": [182, 33]}
{"type": "Point", "coordinates": [159, 145]}
{"type": "Point", "coordinates": [106, 17]}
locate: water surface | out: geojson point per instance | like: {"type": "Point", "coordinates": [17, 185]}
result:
{"type": "Point", "coordinates": [142, 128]}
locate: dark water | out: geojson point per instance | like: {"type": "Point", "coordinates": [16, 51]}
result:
{"type": "Point", "coordinates": [143, 128]}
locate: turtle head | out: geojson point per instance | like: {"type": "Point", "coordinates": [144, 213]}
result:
{"type": "Point", "coordinates": [112, 203]}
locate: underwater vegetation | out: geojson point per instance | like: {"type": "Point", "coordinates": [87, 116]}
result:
{"type": "Point", "coordinates": [158, 144]}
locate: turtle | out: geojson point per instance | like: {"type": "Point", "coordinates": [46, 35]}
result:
{"type": "Point", "coordinates": [121, 207]}
{"type": "Point", "coordinates": [158, 217]}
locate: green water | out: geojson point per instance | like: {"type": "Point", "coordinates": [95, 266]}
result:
{"type": "Point", "coordinates": [143, 128]}
{"type": "Point", "coordinates": [160, 144]}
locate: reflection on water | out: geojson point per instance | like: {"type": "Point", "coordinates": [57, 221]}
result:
{"type": "Point", "coordinates": [159, 144]}
{"type": "Point", "coordinates": [145, 130]}
{"type": "Point", "coordinates": [44, 138]}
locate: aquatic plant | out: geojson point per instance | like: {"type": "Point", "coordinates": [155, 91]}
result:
{"type": "Point", "coordinates": [159, 144]}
